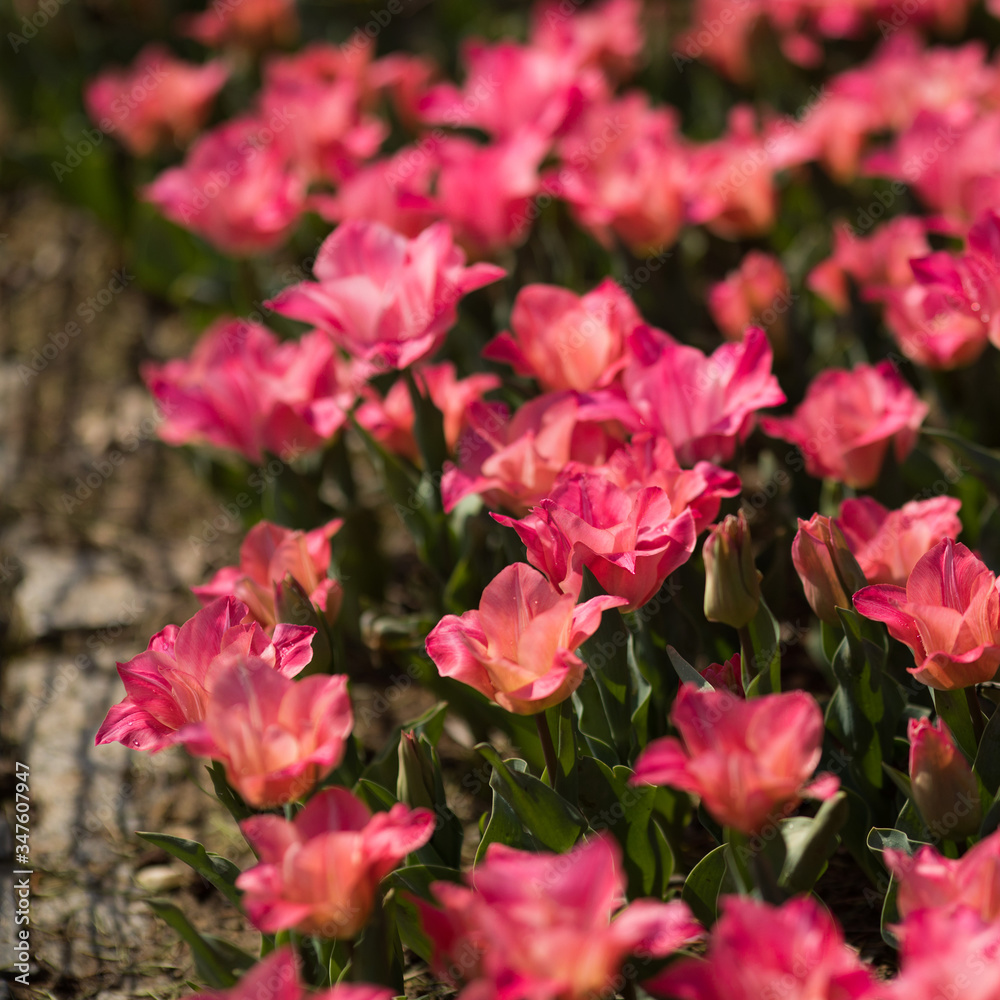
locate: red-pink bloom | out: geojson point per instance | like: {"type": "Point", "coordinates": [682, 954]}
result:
{"type": "Point", "coordinates": [607, 35]}
{"type": "Point", "coordinates": [320, 94]}
{"type": "Point", "coordinates": [404, 78]}
{"type": "Point", "coordinates": [748, 761]}
{"type": "Point", "coordinates": [545, 925]}
{"type": "Point", "coordinates": [518, 649]}
{"type": "Point", "coordinates": [276, 737]}
{"type": "Point", "coordinates": [826, 566]}
{"type": "Point", "coordinates": [320, 872]}
{"type": "Point", "coordinates": [567, 341]}
{"type": "Point", "coordinates": [276, 978]}
{"type": "Point", "coordinates": [631, 540]}
{"type": "Point", "coordinates": [242, 389]}
{"type": "Point", "coordinates": [703, 405]}
{"type": "Point", "coordinates": [238, 187]}
{"type": "Point", "coordinates": [254, 24]}
{"type": "Point", "coordinates": [623, 171]}
{"type": "Point", "coordinates": [167, 685]}
{"type": "Point", "coordinates": [888, 543]}
{"type": "Point", "coordinates": [513, 461]}
{"type": "Point", "coordinates": [726, 676]}
{"type": "Point", "coordinates": [268, 554]}
{"type": "Point", "coordinates": [756, 294]}
{"type": "Point", "coordinates": [948, 614]}
{"type": "Point", "coordinates": [847, 420]}
{"type": "Point", "coordinates": [756, 949]}
{"type": "Point", "coordinates": [930, 881]}
{"type": "Point", "coordinates": [391, 420]}
{"type": "Point", "coordinates": [386, 300]}
{"type": "Point", "coordinates": [156, 100]}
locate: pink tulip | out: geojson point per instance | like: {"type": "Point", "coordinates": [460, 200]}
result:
{"type": "Point", "coordinates": [606, 35]}
{"type": "Point", "coordinates": [268, 554]}
{"type": "Point", "coordinates": [320, 872]}
{"type": "Point", "coordinates": [749, 761]}
{"type": "Point", "coordinates": [567, 341]}
{"type": "Point", "coordinates": [518, 648]}
{"type": "Point", "coordinates": [158, 99]}
{"type": "Point", "coordinates": [623, 171]}
{"type": "Point", "coordinates": [703, 405]}
{"type": "Point", "coordinates": [844, 425]}
{"type": "Point", "coordinates": [275, 736]}
{"type": "Point", "coordinates": [276, 978]}
{"type": "Point", "coordinates": [888, 543]}
{"type": "Point", "coordinates": [948, 614]}
{"type": "Point", "coordinates": [826, 566]}
{"type": "Point", "coordinates": [168, 685]}
{"type": "Point", "coordinates": [405, 79]}
{"type": "Point", "coordinates": [729, 48]}
{"type": "Point", "coordinates": [545, 925]}
{"type": "Point", "coordinates": [254, 24]}
{"type": "Point", "coordinates": [930, 881]}
{"type": "Point", "coordinates": [630, 540]}
{"type": "Point", "coordinates": [514, 461]}
{"type": "Point", "coordinates": [756, 294]}
{"type": "Point", "coordinates": [238, 188]}
{"type": "Point", "coordinates": [391, 420]}
{"type": "Point", "coordinates": [386, 300]}
{"type": "Point", "coordinates": [756, 950]}
{"type": "Point", "coordinates": [726, 676]}
{"type": "Point", "coordinates": [243, 390]}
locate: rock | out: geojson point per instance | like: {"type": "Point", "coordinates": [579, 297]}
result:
{"type": "Point", "coordinates": [162, 878]}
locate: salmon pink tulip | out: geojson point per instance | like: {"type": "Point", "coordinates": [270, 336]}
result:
{"type": "Point", "coordinates": [253, 24]}
{"type": "Point", "coordinates": [756, 294]}
{"type": "Point", "coordinates": [829, 572]}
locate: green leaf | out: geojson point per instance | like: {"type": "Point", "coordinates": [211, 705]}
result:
{"type": "Point", "coordinates": [221, 872]}
{"type": "Point", "coordinates": [810, 845]}
{"type": "Point", "coordinates": [504, 826]}
{"type": "Point", "coordinates": [561, 720]}
{"type": "Point", "coordinates": [548, 817]}
{"type": "Point", "coordinates": [218, 962]}
{"type": "Point", "coordinates": [880, 839]}
{"type": "Point", "coordinates": [377, 798]}
{"type": "Point", "coordinates": [761, 664]}
{"type": "Point", "coordinates": [984, 460]}
{"type": "Point", "coordinates": [890, 913]}
{"type": "Point", "coordinates": [987, 765]}
{"type": "Point", "coordinates": [954, 709]}
{"type": "Point", "coordinates": [685, 672]}
{"type": "Point", "coordinates": [226, 794]}
{"type": "Point", "coordinates": [428, 427]}
{"type": "Point", "coordinates": [702, 887]}
{"type": "Point", "coordinates": [412, 882]}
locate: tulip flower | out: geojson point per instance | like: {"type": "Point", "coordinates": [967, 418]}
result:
{"type": "Point", "coordinates": [253, 24]}
{"type": "Point", "coordinates": [726, 676]}
{"type": "Point", "coordinates": [948, 614]}
{"type": "Point", "coordinates": [268, 554]}
{"type": "Point", "coordinates": [567, 341]}
{"type": "Point", "coordinates": [548, 923]}
{"type": "Point", "coordinates": [748, 761]}
{"type": "Point", "coordinates": [944, 787]}
{"type": "Point", "coordinates": [846, 422]}
{"type": "Point", "coordinates": [168, 685]}
{"type": "Point", "coordinates": [888, 544]}
{"type": "Point", "coordinates": [732, 581]}
{"type": "Point", "coordinates": [756, 294]}
{"type": "Point", "coordinates": [385, 299]}
{"type": "Point", "coordinates": [276, 737]}
{"type": "Point", "coordinates": [757, 949]}
{"type": "Point", "coordinates": [608, 35]}
{"type": "Point", "coordinates": [319, 873]}
{"type": "Point", "coordinates": [703, 405]}
{"type": "Point", "coordinates": [518, 649]}
{"type": "Point", "coordinates": [829, 573]}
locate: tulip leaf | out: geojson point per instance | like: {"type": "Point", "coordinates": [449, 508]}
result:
{"type": "Point", "coordinates": [685, 672]}
{"type": "Point", "coordinates": [221, 872]}
{"type": "Point", "coordinates": [561, 720]}
{"type": "Point", "coordinates": [890, 913]}
{"type": "Point", "coordinates": [218, 962]}
{"type": "Point", "coordinates": [377, 798]}
{"type": "Point", "coordinates": [881, 839]}
{"type": "Point", "coordinates": [954, 709]}
{"type": "Point", "coordinates": [428, 427]}
{"type": "Point", "coordinates": [414, 883]}
{"type": "Point", "coordinates": [504, 826]}
{"type": "Point", "coordinates": [549, 818]}
{"type": "Point", "coordinates": [987, 765]}
{"type": "Point", "coordinates": [226, 794]}
{"type": "Point", "coordinates": [991, 820]}
{"type": "Point", "coordinates": [761, 663]}
{"type": "Point", "coordinates": [984, 460]}
{"type": "Point", "coordinates": [810, 845]}
{"type": "Point", "coordinates": [384, 769]}
{"type": "Point", "coordinates": [705, 882]}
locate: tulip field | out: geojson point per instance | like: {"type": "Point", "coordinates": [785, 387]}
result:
{"type": "Point", "coordinates": [571, 437]}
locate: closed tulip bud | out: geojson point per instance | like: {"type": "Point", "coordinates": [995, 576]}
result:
{"type": "Point", "coordinates": [732, 581]}
{"type": "Point", "coordinates": [944, 787]}
{"type": "Point", "coordinates": [415, 784]}
{"type": "Point", "coordinates": [829, 572]}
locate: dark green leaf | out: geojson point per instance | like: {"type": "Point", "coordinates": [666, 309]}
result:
{"type": "Point", "coordinates": [810, 845]}
{"type": "Point", "coordinates": [708, 878]}
{"type": "Point", "coordinates": [221, 872]}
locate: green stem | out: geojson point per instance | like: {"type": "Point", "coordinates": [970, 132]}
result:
{"type": "Point", "coordinates": [737, 843]}
{"type": "Point", "coordinates": [548, 748]}
{"type": "Point", "coordinates": [976, 711]}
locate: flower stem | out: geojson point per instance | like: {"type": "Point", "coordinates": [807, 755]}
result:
{"type": "Point", "coordinates": [976, 711]}
{"type": "Point", "coordinates": [548, 749]}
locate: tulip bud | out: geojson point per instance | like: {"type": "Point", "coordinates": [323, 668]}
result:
{"type": "Point", "coordinates": [732, 582]}
{"type": "Point", "coordinates": [829, 572]}
{"type": "Point", "coordinates": [725, 676]}
{"type": "Point", "coordinates": [416, 782]}
{"type": "Point", "coordinates": [944, 787]}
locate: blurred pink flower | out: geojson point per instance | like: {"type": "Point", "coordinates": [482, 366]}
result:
{"type": "Point", "coordinates": [748, 761]}
{"type": "Point", "coordinates": [276, 737]}
{"type": "Point", "coordinates": [844, 425]}
{"type": "Point", "coordinates": [518, 649]}
{"type": "Point", "coordinates": [244, 390]}
{"type": "Point", "coordinates": [254, 24]}
{"type": "Point", "coordinates": [156, 100]}
{"type": "Point", "coordinates": [319, 873]}
{"type": "Point", "coordinates": [168, 685]}
{"type": "Point", "coordinates": [607, 35]}
{"type": "Point", "coordinates": [545, 925]}
{"type": "Point", "coordinates": [756, 949]}
{"type": "Point", "coordinates": [567, 341]}
{"type": "Point", "coordinates": [948, 614]}
{"type": "Point", "coordinates": [385, 299]}
{"type": "Point", "coordinates": [703, 405]}
{"type": "Point", "coordinates": [755, 294]}
{"type": "Point", "coordinates": [888, 543]}
{"type": "Point", "coordinates": [268, 554]}
{"type": "Point", "coordinates": [238, 188]}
